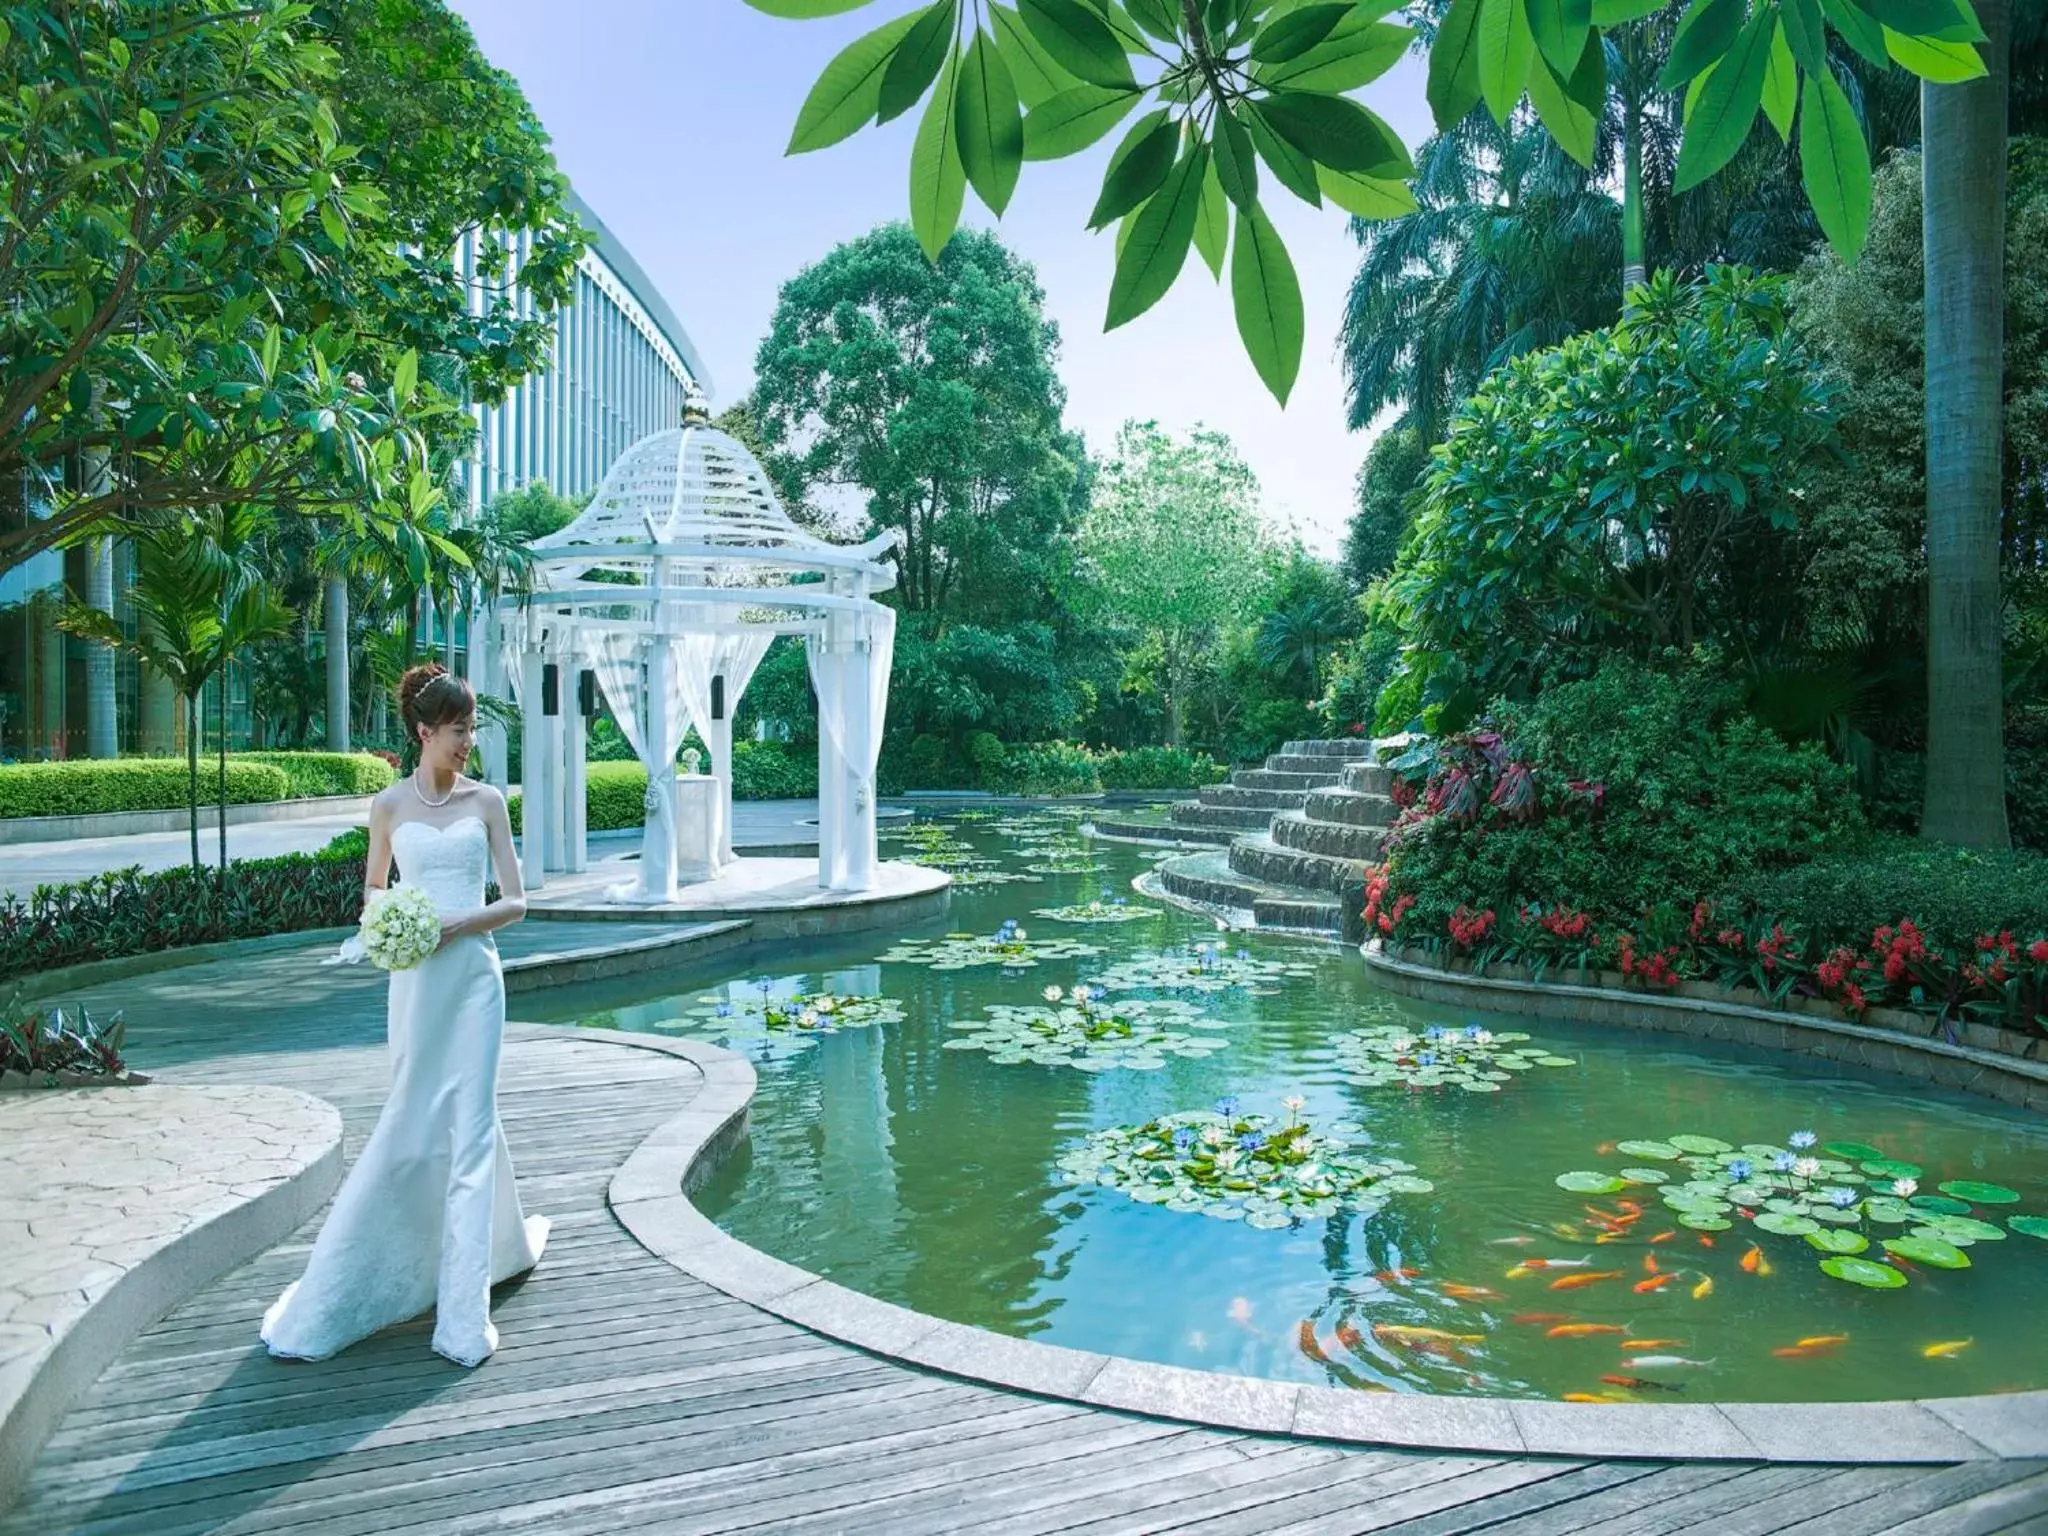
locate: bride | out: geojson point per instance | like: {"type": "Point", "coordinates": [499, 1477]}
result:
{"type": "Point", "coordinates": [429, 1215]}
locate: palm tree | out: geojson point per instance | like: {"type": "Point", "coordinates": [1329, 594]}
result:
{"type": "Point", "coordinates": [1963, 161]}
{"type": "Point", "coordinates": [248, 610]}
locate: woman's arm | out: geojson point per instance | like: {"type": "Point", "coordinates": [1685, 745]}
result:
{"type": "Point", "coordinates": [377, 870]}
{"type": "Point", "coordinates": [510, 906]}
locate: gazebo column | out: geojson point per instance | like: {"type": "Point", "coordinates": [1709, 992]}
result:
{"type": "Point", "coordinates": [719, 743]}
{"type": "Point", "coordinates": [487, 667]}
{"type": "Point", "coordinates": [533, 769]}
{"type": "Point", "coordinates": [825, 682]}
{"type": "Point", "coordinates": [857, 820]}
{"type": "Point", "coordinates": [575, 775]}
{"type": "Point", "coordinates": [658, 841]}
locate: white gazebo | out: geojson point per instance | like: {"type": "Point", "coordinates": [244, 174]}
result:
{"type": "Point", "coordinates": [665, 594]}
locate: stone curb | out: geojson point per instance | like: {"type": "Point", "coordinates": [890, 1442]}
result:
{"type": "Point", "coordinates": [650, 1196]}
{"type": "Point", "coordinates": [27, 831]}
{"type": "Point", "coordinates": [2010, 1079]}
{"type": "Point", "coordinates": [37, 1391]}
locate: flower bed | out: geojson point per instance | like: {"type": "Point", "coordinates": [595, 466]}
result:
{"type": "Point", "coordinates": [46, 1049]}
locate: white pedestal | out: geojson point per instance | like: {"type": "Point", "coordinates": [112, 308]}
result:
{"type": "Point", "coordinates": [696, 827]}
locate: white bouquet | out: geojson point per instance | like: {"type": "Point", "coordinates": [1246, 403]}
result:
{"type": "Point", "coordinates": [400, 928]}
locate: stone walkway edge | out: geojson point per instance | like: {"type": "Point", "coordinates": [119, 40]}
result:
{"type": "Point", "coordinates": [650, 1196]}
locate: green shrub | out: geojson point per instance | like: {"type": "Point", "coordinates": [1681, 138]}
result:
{"type": "Point", "coordinates": [1954, 895]}
{"type": "Point", "coordinates": [988, 757]}
{"type": "Point", "coordinates": [127, 912]}
{"type": "Point", "coordinates": [773, 770]}
{"type": "Point", "coordinates": [614, 798]}
{"type": "Point", "coordinates": [923, 762]}
{"type": "Point", "coordinates": [1045, 768]}
{"type": "Point", "coordinates": [352, 844]}
{"type": "Point", "coordinates": [1158, 768]}
{"type": "Point", "coordinates": [314, 774]}
{"type": "Point", "coordinates": [101, 786]}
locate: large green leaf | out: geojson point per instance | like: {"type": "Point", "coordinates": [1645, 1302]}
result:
{"type": "Point", "coordinates": [1074, 119]}
{"type": "Point", "coordinates": [1139, 167]}
{"type": "Point", "coordinates": [1942, 63]}
{"type": "Point", "coordinates": [1212, 224]}
{"type": "Point", "coordinates": [1834, 164]}
{"type": "Point", "coordinates": [849, 92]}
{"type": "Point", "coordinates": [938, 181]}
{"type": "Point", "coordinates": [1805, 33]}
{"type": "Point", "coordinates": [1291, 33]}
{"type": "Point", "coordinates": [1560, 28]}
{"type": "Point", "coordinates": [1781, 83]}
{"type": "Point", "coordinates": [988, 125]}
{"type": "Point", "coordinates": [1236, 167]}
{"type": "Point", "coordinates": [1161, 18]}
{"type": "Point", "coordinates": [1859, 29]}
{"type": "Point", "coordinates": [805, 10]}
{"type": "Point", "coordinates": [1267, 297]}
{"type": "Point", "coordinates": [1078, 40]}
{"type": "Point", "coordinates": [1570, 109]}
{"type": "Point", "coordinates": [1717, 126]}
{"type": "Point", "coordinates": [1158, 246]}
{"type": "Point", "coordinates": [1337, 132]}
{"type": "Point", "coordinates": [1295, 170]}
{"type": "Point", "coordinates": [918, 60]}
{"type": "Point", "coordinates": [1505, 49]}
{"type": "Point", "coordinates": [1942, 21]}
{"type": "Point", "coordinates": [1038, 78]}
{"type": "Point", "coordinates": [1350, 57]}
{"type": "Point", "coordinates": [1367, 196]}
{"type": "Point", "coordinates": [1706, 31]}
{"type": "Point", "coordinates": [1454, 64]}
{"type": "Point", "coordinates": [1613, 13]}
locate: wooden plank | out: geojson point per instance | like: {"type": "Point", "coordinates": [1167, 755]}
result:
{"type": "Point", "coordinates": [1943, 1498]}
{"type": "Point", "coordinates": [1568, 1505]}
{"type": "Point", "coordinates": [1831, 1489]}
{"type": "Point", "coordinates": [1429, 1479]}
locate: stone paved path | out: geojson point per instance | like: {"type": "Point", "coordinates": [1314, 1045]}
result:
{"type": "Point", "coordinates": [628, 1397]}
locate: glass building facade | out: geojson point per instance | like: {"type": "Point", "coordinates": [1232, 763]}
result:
{"type": "Point", "coordinates": [620, 368]}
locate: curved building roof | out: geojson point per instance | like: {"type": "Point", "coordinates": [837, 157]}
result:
{"type": "Point", "coordinates": [615, 255]}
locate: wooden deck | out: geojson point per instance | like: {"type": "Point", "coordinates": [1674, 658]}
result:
{"type": "Point", "coordinates": [627, 1397]}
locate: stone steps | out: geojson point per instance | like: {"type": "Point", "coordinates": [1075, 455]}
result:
{"type": "Point", "coordinates": [1298, 762]}
{"type": "Point", "coordinates": [1235, 818]}
{"type": "Point", "coordinates": [1350, 807]}
{"type": "Point", "coordinates": [1207, 879]}
{"type": "Point", "coordinates": [1167, 834]}
{"type": "Point", "coordinates": [1303, 833]}
{"type": "Point", "coordinates": [1368, 778]}
{"type": "Point", "coordinates": [1237, 796]}
{"type": "Point", "coordinates": [1266, 862]}
{"type": "Point", "coordinates": [1268, 778]}
{"type": "Point", "coordinates": [1299, 914]}
{"type": "Point", "coordinates": [1345, 747]}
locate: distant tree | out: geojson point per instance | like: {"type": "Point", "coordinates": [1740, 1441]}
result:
{"type": "Point", "coordinates": [1387, 484]}
{"type": "Point", "coordinates": [531, 512]}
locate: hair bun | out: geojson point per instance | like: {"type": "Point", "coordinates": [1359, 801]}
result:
{"type": "Point", "coordinates": [414, 680]}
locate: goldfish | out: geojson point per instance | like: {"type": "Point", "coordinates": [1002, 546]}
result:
{"type": "Point", "coordinates": [1642, 1344]}
{"type": "Point", "coordinates": [1403, 1333]}
{"type": "Point", "coordinates": [1582, 1330]}
{"type": "Point", "coordinates": [1557, 1263]}
{"type": "Point", "coordinates": [1591, 1397]}
{"type": "Point", "coordinates": [1664, 1237]}
{"type": "Point", "coordinates": [1349, 1336]}
{"type": "Point", "coordinates": [1649, 1264]}
{"type": "Point", "coordinates": [1706, 1241]}
{"type": "Point", "coordinates": [1704, 1289]}
{"type": "Point", "coordinates": [1654, 1283]}
{"type": "Point", "coordinates": [1948, 1350]}
{"type": "Point", "coordinates": [1512, 1242]}
{"type": "Point", "coordinates": [1591, 1277]}
{"type": "Point", "coordinates": [1542, 1317]}
{"type": "Point", "coordinates": [1824, 1341]}
{"type": "Point", "coordinates": [1467, 1292]}
{"type": "Point", "coordinates": [1310, 1346]}
{"type": "Point", "coordinates": [1754, 1262]}
{"type": "Point", "coordinates": [1639, 1384]}
{"type": "Point", "coordinates": [1656, 1362]}
{"type": "Point", "coordinates": [1520, 1272]}
{"type": "Point", "coordinates": [1605, 1149]}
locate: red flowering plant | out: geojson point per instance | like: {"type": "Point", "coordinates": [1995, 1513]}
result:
{"type": "Point", "coordinates": [1383, 916]}
{"type": "Point", "coordinates": [1560, 935]}
{"type": "Point", "coordinates": [1470, 931]}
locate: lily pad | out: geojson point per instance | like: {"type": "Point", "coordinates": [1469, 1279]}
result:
{"type": "Point", "coordinates": [1656, 1151]}
{"type": "Point", "coordinates": [1864, 1272]}
{"type": "Point", "coordinates": [1889, 1168]}
{"type": "Point", "coordinates": [1838, 1242]}
{"type": "Point", "coordinates": [2029, 1226]}
{"type": "Point", "coordinates": [1705, 1146]}
{"type": "Point", "coordinates": [1892, 1213]}
{"type": "Point", "coordinates": [1980, 1194]}
{"type": "Point", "coordinates": [1086, 1032]}
{"type": "Point", "coordinates": [1962, 1230]}
{"type": "Point", "coordinates": [1586, 1182]}
{"type": "Point", "coordinates": [962, 951]}
{"type": "Point", "coordinates": [1788, 1226]}
{"type": "Point", "coordinates": [1435, 1057]}
{"type": "Point", "coordinates": [1098, 911]}
{"type": "Point", "coordinates": [1645, 1175]}
{"type": "Point", "coordinates": [1200, 968]}
{"type": "Point", "coordinates": [1931, 1251]}
{"type": "Point", "coordinates": [1941, 1204]}
{"type": "Point", "coordinates": [1704, 1221]}
{"type": "Point", "coordinates": [1854, 1151]}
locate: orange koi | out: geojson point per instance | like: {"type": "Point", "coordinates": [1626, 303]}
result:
{"type": "Point", "coordinates": [1650, 1264]}
{"type": "Point", "coordinates": [1704, 1289]}
{"type": "Point", "coordinates": [1654, 1283]}
{"type": "Point", "coordinates": [1583, 1330]}
{"type": "Point", "coordinates": [1664, 1237]}
{"type": "Point", "coordinates": [1754, 1262]}
{"type": "Point", "coordinates": [1349, 1336]}
{"type": "Point", "coordinates": [1591, 1277]}
{"type": "Point", "coordinates": [1528, 1318]}
{"type": "Point", "coordinates": [1468, 1292]}
{"type": "Point", "coordinates": [1605, 1149]}
{"type": "Point", "coordinates": [1590, 1397]}
{"type": "Point", "coordinates": [1390, 1276]}
{"type": "Point", "coordinates": [1824, 1341]}
{"type": "Point", "coordinates": [1639, 1384]}
{"type": "Point", "coordinates": [1630, 1209]}
{"type": "Point", "coordinates": [1640, 1345]}
{"type": "Point", "coordinates": [1310, 1346]}
{"type": "Point", "coordinates": [1706, 1241]}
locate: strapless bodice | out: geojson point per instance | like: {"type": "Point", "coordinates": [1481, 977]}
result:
{"type": "Point", "coordinates": [448, 863]}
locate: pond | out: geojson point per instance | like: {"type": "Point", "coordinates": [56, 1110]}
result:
{"type": "Point", "coordinates": [1234, 1153]}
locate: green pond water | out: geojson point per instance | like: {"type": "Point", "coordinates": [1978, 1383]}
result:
{"type": "Point", "coordinates": [949, 1168]}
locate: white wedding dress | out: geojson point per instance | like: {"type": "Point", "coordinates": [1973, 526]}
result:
{"type": "Point", "coordinates": [429, 1215]}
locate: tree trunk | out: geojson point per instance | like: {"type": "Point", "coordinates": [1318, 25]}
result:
{"type": "Point", "coordinates": [1633, 272]}
{"type": "Point", "coordinates": [221, 685]}
{"type": "Point", "coordinates": [102, 734]}
{"type": "Point", "coordinates": [1963, 237]}
{"type": "Point", "coordinates": [336, 619]}
{"type": "Point", "coordinates": [192, 772]}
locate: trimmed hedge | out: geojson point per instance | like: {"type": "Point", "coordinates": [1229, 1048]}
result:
{"type": "Point", "coordinates": [615, 793]}
{"type": "Point", "coordinates": [1955, 895]}
{"type": "Point", "coordinates": [314, 774]}
{"type": "Point", "coordinates": [100, 786]}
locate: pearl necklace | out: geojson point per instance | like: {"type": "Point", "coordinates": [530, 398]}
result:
{"type": "Point", "coordinates": [435, 804]}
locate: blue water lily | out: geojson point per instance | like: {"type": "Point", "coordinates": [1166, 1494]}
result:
{"type": "Point", "coordinates": [1427, 1058]}
{"type": "Point", "coordinates": [1226, 1106]}
{"type": "Point", "coordinates": [1741, 1169]}
{"type": "Point", "coordinates": [1183, 1139]}
{"type": "Point", "coordinates": [1783, 1162]}
{"type": "Point", "coordinates": [1841, 1199]}
{"type": "Point", "coordinates": [1250, 1141]}
{"type": "Point", "coordinates": [1801, 1139]}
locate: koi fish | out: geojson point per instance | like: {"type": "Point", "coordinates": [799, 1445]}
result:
{"type": "Point", "coordinates": [1529, 1318]}
{"type": "Point", "coordinates": [1405, 1334]}
{"type": "Point", "coordinates": [1706, 1241]}
{"type": "Point", "coordinates": [1642, 1344]}
{"type": "Point", "coordinates": [1591, 1277]}
{"type": "Point", "coordinates": [1611, 1237]}
{"type": "Point", "coordinates": [1582, 1330]}
{"type": "Point", "coordinates": [1629, 1209]}
{"type": "Point", "coordinates": [1520, 1272]}
{"type": "Point", "coordinates": [1591, 1397]}
{"type": "Point", "coordinates": [1654, 1283]}
{"type": "Point", "coordinates": [1661, 1362]}
{"type": "Point", "coordinates": [1392, 1276]}
{"type": "Point", "coordinates": [1650, 1264]}
{"type": "Point", "coordinates": [1512, 1242]}
{"type": "Point", "coordinates": [1704, 1289]}
{"type": "Point", "coordinates": [1605, 1149]}
{"type": "Point", "coordinates": [1793, 1352]}
{"type": "Point", "coordinates": [1468, 1292]}
{"type": "Point", "coordinates": [1641, 1384]}
{"type": "Point", "coordinates": [1948, 1350]}
{"type": "Point", "coordinates": [1824, 1341]}
{"type": "Point", "coordinates": [1664, 1237]}
{"type": "Point", "coordinates": [1754, 1262]}
{"type": "Point", "coordinates": [1349, 1336]}
{"type": "Point", "coordinates": [1310, 1346]}
{"type": "Point", "coordinates": [1565, 1230]}
{"type": "Point", "coordinates": [1557, 1263]}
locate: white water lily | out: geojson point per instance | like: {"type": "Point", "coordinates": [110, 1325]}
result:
{"type": "Point", "coordinates": [1904, 1187]}
{"type": "Point", "coordinates": [1806, 1167]}
{"type": "Point", "coordinates": [1226, 1160]}
{"type": "Point", "coordinates": [1052, 994]}
{"type": "Point", "coordinates": [1078, 996]}
{"type": "Point", "coordinates": [1215, 1135]}
{"type": "Point", "coordinates": [1482, 1037]}
{"type": "Point", "coordinates": [808, 1018]}
{"type": "Point", "coordinates": [1293, 1103]}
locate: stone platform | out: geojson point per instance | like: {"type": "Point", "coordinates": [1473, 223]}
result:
{"type": "Point", "coordinates": [779, 897]}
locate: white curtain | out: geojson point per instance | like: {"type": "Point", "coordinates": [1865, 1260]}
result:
{"type": "Point", "coordinates": [828, 673]}
{"type": "Point", "coordinates": [882, 655]}
{"type": "Point", "coordinates": [696, 660]}
{"type": "Point", "coordinates": [616, 661]}
{"type": "Point", "coordinates": [739, 655]}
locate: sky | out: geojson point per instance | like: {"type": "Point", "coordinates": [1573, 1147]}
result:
{"type": "Point", "coordinates": [670, 116]}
